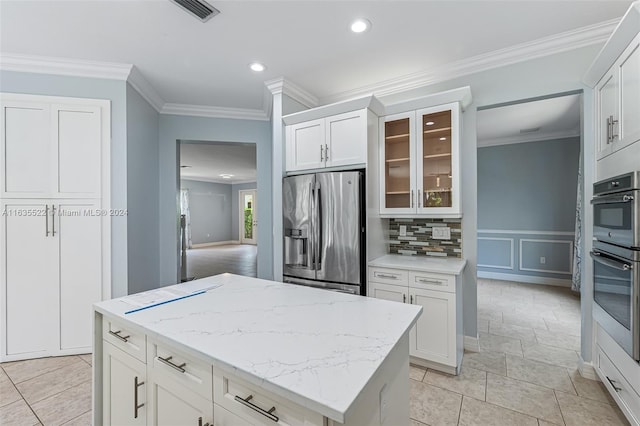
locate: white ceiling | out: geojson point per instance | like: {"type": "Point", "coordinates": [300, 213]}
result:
{"type": "Point", "coordinates": [209, 160]}
{"type": "Point", "coordinates": [307, 42]}
{"type": "Point", "coordinates": [556, 118]}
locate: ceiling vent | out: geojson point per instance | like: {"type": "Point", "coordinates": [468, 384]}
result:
{"type": "Point", "coordinates": [201, 9]}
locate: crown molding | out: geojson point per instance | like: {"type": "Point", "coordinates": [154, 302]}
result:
{"type": "Point", "coordinates": [64, 66]}
{"type": "Point", "coordinates": [145, 89]}
{"type": "Point", "coordinates": [546, 46]}
{"type": "Point", "coordinates": [533, 137]}
{"type": "Point", "coordinates": [214, 112]}
{"type": "Point", "coordinates": [286, 87]}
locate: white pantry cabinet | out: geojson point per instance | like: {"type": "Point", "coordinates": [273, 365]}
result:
{"type": "Point", "coordinates": [55, 222]}
{"type": "Point", "coordinates": [436, 340]}
{"type": "Point", "coordinates": [420, 163]}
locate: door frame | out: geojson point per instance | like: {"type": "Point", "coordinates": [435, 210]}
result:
{"type": "Point", "coordinates": [241, 192]}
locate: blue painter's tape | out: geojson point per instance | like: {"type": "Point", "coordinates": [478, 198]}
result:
{"type": "Point", "coordinates": [163, 303]}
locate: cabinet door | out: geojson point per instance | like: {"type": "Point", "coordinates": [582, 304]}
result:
{"type": "Point", "coordinates": [346, 139]}
{"type": "Point", "coordinates": [25, 150]}
{"type": "Point", "coordinates": [78, 232]}
{"type": "Point", "coordinates": [433, 337]}
{"type": "Point", "coordinates": [124, 393]}
{"type": "Point", "coordinates": [437, 152]}
{"type": "Point", "coordinates": [397, 164]}
{"type": "Point", "coordinates": [28, 280]}
{"type": "Point", "coordinates": [388, 292]}
{"type": "Point", "coordinates": [607, 95]}
{"type": "Point", "coordinates": [305, 145]}
{"type": "Point", "coordinates": [630, 94]}
{"type": "Point", "coordinates": [173, 404]}
{"type": "Point", "coordinates": [77, 142]}
{"type": "Point", "coordinates": [223, 417]}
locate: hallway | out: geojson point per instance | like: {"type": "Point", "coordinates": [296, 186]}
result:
{"type": "Point", "coordinates": [240, 259]}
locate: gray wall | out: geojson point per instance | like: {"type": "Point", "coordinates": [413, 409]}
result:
{"type": "Point", "coordinates": [94, 88]}
{"type": "Point", "coordinates": [235, 206]}
{"type": "Point", "coordinates": [174, 128]}
{"type": "Point", "coordinates": [527, 192]}
{"type": "Point", "coordinates": [142, 193]}
{"type": "Point", "coordinates": [210, 207]}
{"type": "Point", "coordinates": [556, 73]}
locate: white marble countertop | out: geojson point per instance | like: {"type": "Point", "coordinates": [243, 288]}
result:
{"type": "Point", "coordinates": [314, 347]}
{"type": "Point", "coordinates": [420, 263]}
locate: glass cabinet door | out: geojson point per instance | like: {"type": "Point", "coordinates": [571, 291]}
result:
{"type": "Point", "coordinates": [397, 164]}
{"type": "Point", "coordinates": [434, 137]}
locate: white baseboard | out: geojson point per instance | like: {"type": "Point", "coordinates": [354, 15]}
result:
{"type": "Point", "coordinates": [587, 370]}
{"type": "Point", "coordinates": [217, 243]}
{"type": "Point", "coordinates": [558, 282]}
{"type": "Point", "coordinates": [471, 344]}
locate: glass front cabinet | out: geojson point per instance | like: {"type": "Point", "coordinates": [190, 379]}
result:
{"type": "Point", "coordinates": [420, 163]}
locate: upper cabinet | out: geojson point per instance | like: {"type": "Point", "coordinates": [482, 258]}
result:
{"type": "Point", "coordinates": [615, 75]}
{"type": "Point", "coordinates": [420, 162]}
{"type": "Point", "coordinates": [330, 136]}
{"type": "Point", "coordinates": [51, 150]}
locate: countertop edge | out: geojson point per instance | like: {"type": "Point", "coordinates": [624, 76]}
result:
{"type": "Point", "coordinates": [450, 269]}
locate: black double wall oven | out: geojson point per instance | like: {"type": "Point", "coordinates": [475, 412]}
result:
{"type": "Point", "coordinates": [616, 259]}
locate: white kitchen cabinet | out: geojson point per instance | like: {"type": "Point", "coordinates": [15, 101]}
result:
{"type": "Point", "coordinates": [171, 403]}
{"type": "Point", "coordinates": [420, 163]}
{"type": "Point", "coordinates": [64, 238]}
{"type": "Point", "coordinates": [334, 141]}
{"type": "Point", "coordinates": [436, 340]}
{"type": "Point", "coordinates": [618, 103]}
{"type": "Point", "coordinates": [50, 150]}
{"type": "Point", "coordinates": [124, 397]}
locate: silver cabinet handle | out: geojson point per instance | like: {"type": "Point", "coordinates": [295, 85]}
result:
{"type": "Point", "coordinates": [200, 422]}
{"type": "Point", "coordinates": [267, 413]}
{"type": "Point", "coordinates": [613, 123]}
{"type": "Point", "coordinates": [46, 220]}
{"type": "Point", "coordinates": [608, 130]}
{"type": "Point", "coordinates": [426, 281]}
{"type": "Point", "coordinates": [321, 153]}
{"type": "Point", "coordinates": [167, 361]}
{"type": "Point", "coordinates": [53, 220]}
{"type": "Point", "coordinates": [411, 299]}
{"type": "Point", "coordinates": [419, 198]}
{"type": "Point", "coordinates": [391, 277]}
{"type": "Point", "coordinates": [404, 298]}
{"type": "Point", "coordinates": [326, 152]}
{"type": "Point", "coordinates": [136, 406]}
{"type": "Point", "coordinates": [412, 198]}
{"type": "Point", "coordinates": [613, 384]}
{"type": "Point", "coordinates": [117, 335]}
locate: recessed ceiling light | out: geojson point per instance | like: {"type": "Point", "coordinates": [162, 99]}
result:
{"type": "Point", "coordinates": [429, 123]}
{"type": "Point", "coordinates": [443, 139]}
{"type": "Point", "coordinates": [226, 176]}
{"type": "Point", "coordinates": [360, 25]}
{"type": "Point", "coordinates": [257, 66]}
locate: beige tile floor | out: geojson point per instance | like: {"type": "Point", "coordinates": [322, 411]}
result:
{"type": "Point", "coordinates": [526, 370]}
{"type": "Point", "coordinates": [524, 374]}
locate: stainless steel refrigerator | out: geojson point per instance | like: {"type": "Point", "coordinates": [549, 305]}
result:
{"type": "Point", "coordinates": [324, 230]}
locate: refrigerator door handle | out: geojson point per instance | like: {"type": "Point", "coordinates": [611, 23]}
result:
{"type": "Point", "coordinates": [318, 225]}
{"type": "Point", "coordinates": [312, 234]}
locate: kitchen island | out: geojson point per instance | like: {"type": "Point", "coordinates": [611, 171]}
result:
{"type": "Point", "coordinates": [231, 350]}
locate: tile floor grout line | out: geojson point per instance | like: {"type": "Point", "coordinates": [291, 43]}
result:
{"type": "Point", "coordinates": [555, 395]}
{"type": "Point", "coordinates": [76, 417]}
{"type": "Point", "coordinates": [29, 405]}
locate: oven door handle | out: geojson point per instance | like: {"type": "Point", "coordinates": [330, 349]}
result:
{"type": "Point", "coordinates": [610, 262]}
{"type": "Point", "coordinates": [626, 198]}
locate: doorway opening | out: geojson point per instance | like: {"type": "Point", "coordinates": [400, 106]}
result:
{"type": "Point", "coordinates": [217, 209]}
{"type": "Point", "coordinates": [529, 229]}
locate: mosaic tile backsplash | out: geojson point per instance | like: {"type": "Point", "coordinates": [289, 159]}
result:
{"type": "Point", "coordinates": [419, 240]}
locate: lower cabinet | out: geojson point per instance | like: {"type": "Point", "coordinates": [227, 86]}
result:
{"type": "Point", "coordinates": [125, 388]}
{"type": "Point", "coordinates": [436, 341]}
{"type": "Point", "coordinates": [172, 404]}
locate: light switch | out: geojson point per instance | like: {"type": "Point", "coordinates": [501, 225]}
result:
{"type": "Point", "coordinates": [441, 233]}
{"type": "Point", "coordinates": [403, 230]}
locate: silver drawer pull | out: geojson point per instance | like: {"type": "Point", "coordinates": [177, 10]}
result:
{"type": "Point", "coordinates": [391, 277]}
{"type": "Point", "coordinates": [268, 414]}
{"type": "Point", "coordinates": [426, 281]}
{"type": "Point", "coordinates": [116, 334]}
{"type": "Point", "coordinates": [136, 406]}
{"type": "Point", "coordinates": [168, 362]}
{"type": "Point", "coordinates": [613, 384]}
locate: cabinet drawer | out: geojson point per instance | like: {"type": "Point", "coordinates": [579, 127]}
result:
{"type": "Point", "coordinates": [133, 343]}
{"type": "Point", "coordinates": [194, 374]}
{"type": "Point", "coordinates": [389, 276]}
{"type": "Point", "coordinates": [615, 381]}
{"type": "Point", "coordinates": [432, 281]}
{"type": "Point", "coordinates": [256, 406]}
